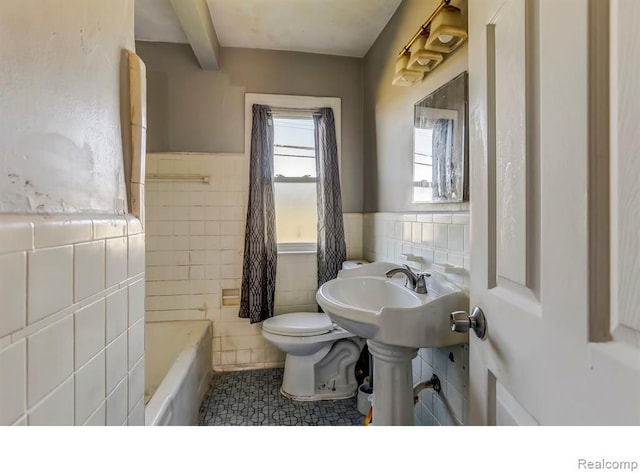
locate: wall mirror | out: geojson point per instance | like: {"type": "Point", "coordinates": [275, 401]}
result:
{"type": "Point", "coordinates": [440, 154]}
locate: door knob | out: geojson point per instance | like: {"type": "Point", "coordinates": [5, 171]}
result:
{"type": "Point", "coordinates": [461, 322]}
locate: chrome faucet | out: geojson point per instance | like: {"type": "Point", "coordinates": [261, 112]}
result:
{"type": "Point", "coordinates": [415, 282]}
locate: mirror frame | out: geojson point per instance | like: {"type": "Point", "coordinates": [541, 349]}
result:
{"type": "Point", "coordinates": [463, 108]}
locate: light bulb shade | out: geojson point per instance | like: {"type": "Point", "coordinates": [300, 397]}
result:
{"type": "Point", "coordinates": [401, 63]}
{"type": "Point", "coordinates": [404, 76]}
{"type": "Point", "coordinates": [422, 59]}
{"type": "Point", "coordinates": [449, 24]}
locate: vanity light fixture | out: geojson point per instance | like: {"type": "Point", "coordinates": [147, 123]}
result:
{"type": "Point", "coordinates": [441, 34]}
{"type": "Point", "coordinates": [404, 76]}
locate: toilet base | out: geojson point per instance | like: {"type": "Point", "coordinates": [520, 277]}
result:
{"type": "Point", "coordinates": [317, 397]}
{"type": "Point", "coordinates": [327, 374]}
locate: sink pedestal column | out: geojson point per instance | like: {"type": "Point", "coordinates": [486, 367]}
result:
{"type": "Point", "coordinates": [392, 384]}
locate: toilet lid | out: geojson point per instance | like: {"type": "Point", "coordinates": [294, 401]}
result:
{"type": "Point", "coordinates": [299, 324]}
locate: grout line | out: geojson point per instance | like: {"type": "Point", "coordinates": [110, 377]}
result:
{"type": "Point", "coordinates": [53, 390]}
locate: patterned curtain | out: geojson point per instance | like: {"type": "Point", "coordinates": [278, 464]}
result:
{"type": "Point", "coordinates": [332, 250]}
{"type": "Point", "coordinates": [260, 248]}
{"type": "Point", "coordinates": [443, 167]}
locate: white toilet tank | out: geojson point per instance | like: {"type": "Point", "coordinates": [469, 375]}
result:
{"type": "Point", "coordinates": [353, 263]}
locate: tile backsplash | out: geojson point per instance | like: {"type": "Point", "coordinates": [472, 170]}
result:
{"type": "Point", "coordinates": [71, 328]}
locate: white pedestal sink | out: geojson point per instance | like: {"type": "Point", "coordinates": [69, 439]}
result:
{"type": "Point", "coordinates": [396, 322]}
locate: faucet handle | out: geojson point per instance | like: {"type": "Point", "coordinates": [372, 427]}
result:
{"type": "Point", "coordinates": [421, 283]}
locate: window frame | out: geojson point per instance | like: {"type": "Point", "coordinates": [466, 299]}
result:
{"type": "Point", "coordinates": [293, 102]}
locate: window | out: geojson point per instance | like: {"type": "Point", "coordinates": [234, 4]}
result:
{"type": "Point", "coordinates": [294, 168]}
{"type": "Point", "coordinates": [294, 164]}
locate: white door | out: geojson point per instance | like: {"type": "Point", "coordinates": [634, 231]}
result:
{"type": "Point", "coordinates": [559, 350]}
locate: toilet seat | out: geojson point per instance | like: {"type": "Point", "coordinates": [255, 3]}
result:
{"type": "Point", "coordinates": [299, 324]}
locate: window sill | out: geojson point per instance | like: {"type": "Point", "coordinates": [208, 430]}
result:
{"type": "Point", "coordinates": [297, 248]}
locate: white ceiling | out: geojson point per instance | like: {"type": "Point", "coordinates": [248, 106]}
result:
{"type": "Point", "coordinates": [155, 20]}
{"type": "Point", "coordinates": [340, 27]}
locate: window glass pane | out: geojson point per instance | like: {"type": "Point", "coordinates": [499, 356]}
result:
{"type": "Point", "coordinates": [422, 172]}
{"type": "Point", "coordinates": [296, 212]}
{"type": "Point", "coordinates": [294, 156]}
{"type": "Point", "coordinates": [423, 145]}
{"type": "Point", "coordinates": [422, 165]}
{"type": "Point", "coordinates": [294, 147]}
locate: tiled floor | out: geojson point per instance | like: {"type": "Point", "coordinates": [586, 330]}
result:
{"type": "Point", "coordinates": [253, 398]}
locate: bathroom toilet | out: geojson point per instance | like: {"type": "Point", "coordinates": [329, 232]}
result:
{"type": "Point", "coordinates": [320, 355]}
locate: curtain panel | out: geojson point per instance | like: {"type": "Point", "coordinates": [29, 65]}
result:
{"type": "Point", "coordinates": [332, 249]}
{"type": "Point", "coordinates": [260, 246]}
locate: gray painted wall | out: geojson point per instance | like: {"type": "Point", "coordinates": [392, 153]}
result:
{"type": "Point", "coordinates": [194, 110]}
{"type": "Point", "coordinates": [388, 110]}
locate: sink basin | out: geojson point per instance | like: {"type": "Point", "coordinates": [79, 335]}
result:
{"type": "Point", "coordinates": [384, 310]}
{"type": "Point", "coordinates": [370, 269]}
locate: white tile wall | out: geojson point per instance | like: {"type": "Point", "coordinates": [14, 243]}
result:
{"type": "Point", "coordinates": [195, 240]}
{"type": "Point", "coordinates": [116, 261]}
{"type": "Point", "coordinates": [90, 388]}
{"type": "Point", "coordinates": [136, 416]}
{"type": "Point", "coordinates": [13, 292]}
{"type": "Point", "coordinates": [89, 330]}
{"type": "Point", "coordinates": [117, 404]}
{"type": "Point", "coordinates": [49, 359]}
{"type": "Point", "coordinates": [440, 238]}
{"type": "Point", "coordinates": [13, 374]}
{"type": "Point", "coordinates": [22, 421]}
{"type": "Point", "coordinates": [136, 301]}
{"type": "Point", "coordinates": [116, 363]}
{"type": "Point", "coordinates": [135, 259]}
{"type": "Point", "coordinates": [64, 284]}
{"type": "Point", "coordinates": [98, 417]}
{"type": "Point", "coordinates": [17, 235]}
{"type": "Point", "coordinates": [50, 281]}
{"type": "Point", "coordinates": [56, 408]}
{"type": "Point", "coordinates": [60, 232]}
{"type": "Point", "coordinates": [135, 343]}
{"type": "Point", "coordinates": [136, 387]}
{"type": "Point", "coordinates": [195, 236]}
{"type": "Point", "coordinates": [116, 314]}
{"type": "Point", "coordinates": [89, 269]}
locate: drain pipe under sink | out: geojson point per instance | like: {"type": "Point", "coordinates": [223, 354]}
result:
{"type": "Point", "coordinates": [433, 383]}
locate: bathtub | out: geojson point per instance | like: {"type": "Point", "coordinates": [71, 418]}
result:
{"type": "Point", "coordinates": [178, 369]}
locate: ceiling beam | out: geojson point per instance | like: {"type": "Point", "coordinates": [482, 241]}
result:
{"type": "Point", "coordinates": [198, 27]}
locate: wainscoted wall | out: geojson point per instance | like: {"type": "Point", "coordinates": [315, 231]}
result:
{"type": "Point", "coordinates": [72, 325]}
{"type": "Point", "coordinates": [195, 240]}
{"type": "Point", "coordinates": [441, 238]}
